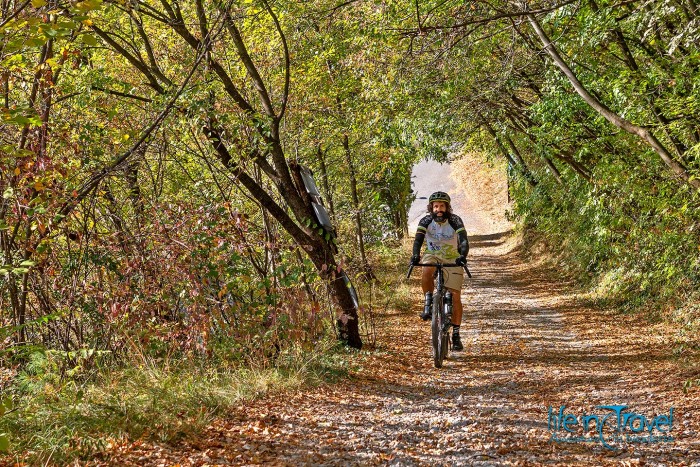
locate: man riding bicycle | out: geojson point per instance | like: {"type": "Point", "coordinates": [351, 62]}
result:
{"type": "Point", "coordinates": [446, 243]}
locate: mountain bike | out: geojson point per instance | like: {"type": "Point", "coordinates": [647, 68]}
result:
{"type": "Point", "coordinates": [442, 310]}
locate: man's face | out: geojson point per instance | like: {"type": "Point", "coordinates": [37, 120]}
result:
{"type": "Point", "coordinates": [439, 211]}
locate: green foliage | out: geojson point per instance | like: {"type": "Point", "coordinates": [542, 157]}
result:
{"type": "Point", "coordinates": [637, 236]}
{"type": "Point", "coordinates": [616, 212]}
{"type": "Point", "coordinates": [6, 405]}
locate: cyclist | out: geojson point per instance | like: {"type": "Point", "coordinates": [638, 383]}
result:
{"type": "Point", "coordinates": [446, 243]}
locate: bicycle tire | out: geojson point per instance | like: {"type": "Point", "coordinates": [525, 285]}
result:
{"type": "Point", "coordinates": [438, 336]}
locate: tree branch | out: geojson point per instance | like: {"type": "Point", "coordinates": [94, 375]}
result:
{"type": "Point", "coordinates": [136, 62]}
{"type": "Point", "coordinates": [285, 47]}
{"type": "Point", "coordinates": [643, 133]}
{"type": "Point", "coordinates": [98, 176]}
{"type": "Point", "coordinates": [258, 82]}
{"type": "Point", "coordinates": [120, 94]}
{"type": "Point", "coordinates": [15, 13]}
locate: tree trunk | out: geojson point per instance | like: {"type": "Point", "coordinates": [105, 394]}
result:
{"type": "Point", "coordinates": [520, 165]}
{"type": "Point", "coordinates": [356, 208]}
{"type": "Point", "coordinates": [318, 249]}
{"type": "Point", "coordinates": [521, 161]}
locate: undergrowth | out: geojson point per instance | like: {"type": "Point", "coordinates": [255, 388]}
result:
{"type": "Point", "coordinates": [389, 293]}
{"type": "Point", "coordinates": [56, 419]}
{"type": "Point", "coordinates": [642, 261]}
{"type": "Point", "coordinates": [58, 407]}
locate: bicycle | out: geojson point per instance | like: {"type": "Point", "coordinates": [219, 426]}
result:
{"type": "Point", "coordinates": [442, 310]}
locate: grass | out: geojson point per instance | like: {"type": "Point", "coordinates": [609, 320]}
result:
{"type": "Point", "coordinates": [57, 423]}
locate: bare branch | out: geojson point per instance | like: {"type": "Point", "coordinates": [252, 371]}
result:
{"type": "Point", "coordinates": [15, 13]}
{"type": "Point", "coordinates": [116, 93]}
{"type": "Point", "coordinates": [422, 29]}
{"type": "Point", "coordinates": [136, 62]}
{"type": "Point", "coordinates": [149, 50]}
{"type": "Point", "coordinates": [258, 82]}
{"type": "Point", "coordinates": [285, 93]}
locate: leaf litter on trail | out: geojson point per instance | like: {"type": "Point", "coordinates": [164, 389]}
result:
{"type": "Point", "coordinates": [487, 406]}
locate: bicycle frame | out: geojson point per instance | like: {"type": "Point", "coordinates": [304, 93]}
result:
{"type": "Point", "coordinates": [441, 316]}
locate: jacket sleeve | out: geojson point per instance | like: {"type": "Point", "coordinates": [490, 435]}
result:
{"type": "Point", "coordinates": [462, 240]}
{"type": "Point", "coordinates": [420, 234]}
{"type": "Point", "coordinates": [418, 243]}
{"type": "Point", "coordinates": [463, 243]}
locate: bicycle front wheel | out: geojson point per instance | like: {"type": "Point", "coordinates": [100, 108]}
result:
{"type": "Point", "coordinates": [438, 335]}
{"type": "Point", "coordinates": [445, 341]}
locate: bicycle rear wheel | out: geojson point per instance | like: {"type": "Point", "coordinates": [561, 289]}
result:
{"type": "Point", "coordinates": [438, 335]}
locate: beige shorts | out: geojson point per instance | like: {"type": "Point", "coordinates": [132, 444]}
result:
{"type": "Point", "coordinates": [454, 276]}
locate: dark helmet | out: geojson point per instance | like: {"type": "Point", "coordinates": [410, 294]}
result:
{"type": "Point", "coordinates": [439, 196]}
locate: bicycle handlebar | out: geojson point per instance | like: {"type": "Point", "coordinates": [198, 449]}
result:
{"type": "Point", "coordinates": [434, 265]}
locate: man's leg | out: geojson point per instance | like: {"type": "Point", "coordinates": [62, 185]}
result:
{"type": "Point", "coordinates": [427, 284]}
{"type": "Point", "coordinates": [427, 280]}
{"type": "Point", "coordinates": [456, 307]}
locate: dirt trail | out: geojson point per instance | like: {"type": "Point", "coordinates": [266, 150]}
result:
{"type": "Point", "coordinates": [530, 343]}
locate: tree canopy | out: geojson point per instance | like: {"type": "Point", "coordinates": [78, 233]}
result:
{"type": "Point", "coordinates": [151, 153]}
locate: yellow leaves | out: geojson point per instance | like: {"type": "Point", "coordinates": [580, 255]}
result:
{"type": "Point", "coordinates": [53, 63]}
{"type": "Point", "coordinates": [38, 3]}
{"type": "Point", "coordinates": [13, 62]}
{"type": "Point", "coordinates": [17, 171]}
{"type": "Point", "coordinates": [38, 186]}
{"type": "Point", "coordinates": [119, 139]}
{"type": "Point", "coordinates": [88, 5]}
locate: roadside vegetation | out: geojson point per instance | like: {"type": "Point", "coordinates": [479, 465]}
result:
{"type": "Point", "coordinates": [58, 418]}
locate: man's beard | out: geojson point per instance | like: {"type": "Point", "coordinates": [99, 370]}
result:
{"type": "Point", "coordinates": [439, 216]}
